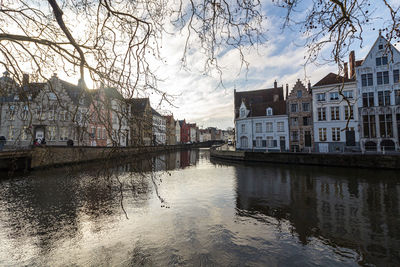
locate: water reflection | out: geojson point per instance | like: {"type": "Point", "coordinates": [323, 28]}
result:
{"type": "Point", "coordinates": [356, 209]}
{"type": "Point", "coordinates": [186, 210]}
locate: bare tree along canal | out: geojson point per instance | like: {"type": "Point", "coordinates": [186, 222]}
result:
{"type": "Point", "coordinates": [183, 209]}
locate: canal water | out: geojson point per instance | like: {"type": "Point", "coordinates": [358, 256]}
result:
{"type": "Point", "coordinates": [183, 209]}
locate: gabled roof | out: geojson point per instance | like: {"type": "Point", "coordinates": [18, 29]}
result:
{"type": "Point", "coordinates": [155, 113]}
{"type": "Point", "coordinates": [259, 100]}
{"type": "Point", "coordinates": [333, 78]}
{"type": "Point", "coordinates": [181, 122]}
{"type": "Point", "coordinates": [375, 43]}
{"type": "Point", "coordinates": [139, 104]}
{"type": "Point", "coordinates": [75, 92]}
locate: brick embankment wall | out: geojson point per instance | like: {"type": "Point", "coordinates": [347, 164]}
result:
{"type": "Point", "coordinates": [339, 160]}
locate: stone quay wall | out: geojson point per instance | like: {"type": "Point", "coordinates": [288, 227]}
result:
{"type": "Point", "coordinates": [329, 159]}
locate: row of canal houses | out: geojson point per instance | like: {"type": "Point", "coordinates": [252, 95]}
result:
{"type": "Point", "coordinates": [62, 113]}
{"type": "Point", "coordinates": [359, 111]}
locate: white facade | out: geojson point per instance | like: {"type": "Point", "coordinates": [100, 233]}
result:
{"type": "Point", "coordinates": [159, 129]}
{"type": "Point", "coordinates": [193, 133]}
{"type": "Point", "coordinates": [379, 102]}
{"type": "Point", "coordinates": [266, 133]}
{"type": "Point", "coordinates": [330, 116]}
{"type": "Point", "coordinates": [177, 132]}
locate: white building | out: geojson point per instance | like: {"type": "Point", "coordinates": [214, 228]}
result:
{"type": "Point", "coordinates": [177, 132]}
{"type": "Point", "coordinates": [261, 120]}
{"type": "Point", "coordinates": [379, 102]}
{"type": "Point", "coordinates": [159, 128]}
{"type": "Point", "coordinates": [332, 114]}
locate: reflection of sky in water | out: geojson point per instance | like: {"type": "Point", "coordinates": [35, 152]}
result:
{"type": "Point", "coordinates": [225, 214]}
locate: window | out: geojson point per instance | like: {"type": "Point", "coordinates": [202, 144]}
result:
{"type": "Point", "coordinates": [98, 133]}
{"type": "Point", "coordinates": [269, 127]}
{"type": "Point", "coordinates": [293, 107]}
{"type": "Point", "coordinates": [25, 112]}
{"type": "Point", "coordinates": [384, 98]}
{"type": "Point", "coordinates": [243, 128]}
{"type": "Point", "coordinates": [397, 97]}
{"type": "Point", "coordinates": [321, 97]}
{"type": "Point", "coordinates": [335, 134]}
{"type": "Point", "coordinates": [369, 126]}
{"type": "Point", "coordinates": [244, 142]}
{"type": "Point", "coordinates": [306, 106]}
{"type": "Point", "coordinates": [242, 113]}
{"type": "Point", "coordinates": [51, 133]}
{"type": "Point", "coordinates": [52, 96]}
{"type": "Point", "coordinates": [258, 128]}
{"type": "Point", "coordinates": [395, 76]}
{"type": "Point", "coordinates": [295, 136]}
{"type": "Point", "coordinates": [11, 112]}
{"type": "Point", "coordinates": [63, 133]}
{"type": "Point", "coordinates": [258, 142]}
{"type": "Point", "coordinates": [348, 94]}
{"type": "Point", "coordinates": [11, 132]}
{"type": "Point", "coordinates": [385, 125]}
{"type": "Point", "coordinates": [93, 132]}
{"type": "Point", "coordinates": [335, 113]}
{"type": "Point", "coordinates": [367, 80]}
{"type": "Point", "coordinates": [334, 96]}
{"type": "Point", "coordinates": [348, 112]}
{"type": "Point", "coordinates": [368, 99]}
{"type": "Point", "coordinates": [322, 134]}
{"type": "Point", "coordinates": [281, 127]}
{"type": "Point", "coordinates": [294, 121]}
{"type": "Point", "coordinates": [269, 111]}
{"type": "Point", "coordinates": [39, 113]}
{"type": "Point", "coordinates": [382, 77]}
{"type": "Point", "coordinates": [380, 47]}
{"type": "Point", "coordinates": [306, 121]}
{"type": "Point", "coordinates": [53, 112]}
{"type": "Point", "coordinates": [63, 115]}
{"type": "Point", "coordinates": [322, 114]}
{"type": "Point", "coordinates": [299, 94]}
{"type": "Point", "coordinates": [381, 61]}
{"type": "Point", "coordinates": [24, 133]}
{"type": "Point", "coordinates": [270, 141]}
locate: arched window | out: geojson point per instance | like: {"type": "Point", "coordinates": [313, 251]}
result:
{"type": "Point", "coordinates": [269, 112]}
{"type": "Point", "coordinates": [242, 112]}
{"type": "Point", "coordinates": [387, 145]}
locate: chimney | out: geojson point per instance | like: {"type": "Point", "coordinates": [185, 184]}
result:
{"type": "Point", "coordinates": [25, 79]}
{"type": "Point", "coordinates": [346, 70]}
{"type": "Point", "coordinates": [287, 91]}
{"type": "Point", "coordinates": [275, 84]}
{"type": "Point", "coordinates": [309, 86]}
{"type": "Point", "coordinates": [352, 63]}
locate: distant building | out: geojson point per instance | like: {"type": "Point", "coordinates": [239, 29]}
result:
{"type": "Point", "coordinates": [299, 105]}
{"type": "Point", "coordinates": [332, 113]}
{"type": "Point", "coordinates": [140, 121]}
{"type": "Point", "coordinates": [177, 132]}
{"type": "Point", "coordinates": [159, 128]}
{"type": "Point", "coordinates": [193, 132]}
{"type": "Point", "coordinates": [261, 120]}
{"type": "Point", "coordinates": [170, 130]}
{"type": "Point", "coordinates": [185, 132]}
{"type": "Point", "coordinates": [379, 102]}
{"type": "Point", "coordinates": [205, 135]}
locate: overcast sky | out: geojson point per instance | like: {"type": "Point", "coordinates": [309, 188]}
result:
{"type": "Point", "coordinates": [200, 98]}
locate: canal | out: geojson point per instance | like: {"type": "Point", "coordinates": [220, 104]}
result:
{"type": "Point", "coordinates": [185, 209]}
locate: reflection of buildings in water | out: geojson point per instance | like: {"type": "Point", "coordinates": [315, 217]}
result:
{"type": "Point", "coordinates": [194, 156]}
{"type": "Point", "coordinates": [159, 163]}
{"type": "Point", "coordinates": [185, 158]}
{"type": "Point", "coordinates": [362, 216]}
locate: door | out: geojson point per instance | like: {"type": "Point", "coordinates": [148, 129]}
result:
{"type": "Point", "coordinates": [282, 143]}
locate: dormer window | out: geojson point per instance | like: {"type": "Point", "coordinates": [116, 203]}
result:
{"type": "Point", "coordinates": [242, 112]}
{"type": "Point", "coordinates": [16, 98]}
{"type": "Point", "coordinates": [52, 96]}
{"type": "Point", "coordinates": [269, 111]}
{"type": "Point", "coordinates": [299, 94]}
